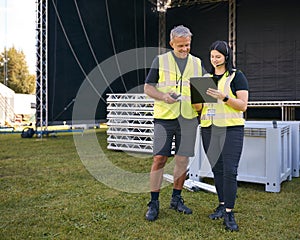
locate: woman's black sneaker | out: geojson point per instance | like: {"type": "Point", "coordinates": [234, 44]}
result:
{"type": "Point", "coordinates": [229, 222]}
{"type": "Point", "coordinates": [218, 213]}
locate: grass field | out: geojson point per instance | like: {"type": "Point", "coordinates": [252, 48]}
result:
{"type": "Point", "coordinates": [47, 193]}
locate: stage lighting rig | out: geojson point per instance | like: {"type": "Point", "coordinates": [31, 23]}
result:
{"type": "Point", "coordinates": [163, 5]}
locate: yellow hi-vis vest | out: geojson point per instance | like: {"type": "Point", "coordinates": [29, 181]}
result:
{"type": "Point", "coordinates": [171, 80]}
{"type": "Point", "coordinates": [224, 115]}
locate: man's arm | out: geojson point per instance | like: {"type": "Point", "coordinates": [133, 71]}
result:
{"type": "Point", "coordinates": [152, 92]}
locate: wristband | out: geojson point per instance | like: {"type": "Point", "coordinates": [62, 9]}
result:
{"type": "Point", "coordinates": [225, 98]}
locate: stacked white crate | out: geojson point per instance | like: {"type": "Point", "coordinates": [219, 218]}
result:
{"type": "Point", "coordinates": [130, 122]}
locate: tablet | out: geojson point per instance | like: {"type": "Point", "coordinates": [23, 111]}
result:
{"type": "Point", "coordinates": [198, 86]}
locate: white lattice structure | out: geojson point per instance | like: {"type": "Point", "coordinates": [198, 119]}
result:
{"type": "Point", "coordinates": [130, 122]}
{"type": "Point", "coordinates": [7, 114]}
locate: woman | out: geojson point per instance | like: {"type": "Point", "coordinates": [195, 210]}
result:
{"type": "Point", "coordinates": [222, 129]}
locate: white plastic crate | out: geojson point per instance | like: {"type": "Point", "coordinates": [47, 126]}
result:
{"type": "Point", "coordinates": [295, 132]}
{"type": "Point", "coordinates": [266, 157]}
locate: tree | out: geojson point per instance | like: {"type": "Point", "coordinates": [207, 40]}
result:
{"type": "Point", "coordinates": [18, 77]}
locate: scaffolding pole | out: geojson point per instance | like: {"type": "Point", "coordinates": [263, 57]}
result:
{"type": "Point", "coordinates": [161, 7]}
{"type": "Point", "coordinates": [232, 28]}
{"type": "Point", "coordinates": [41, 65]}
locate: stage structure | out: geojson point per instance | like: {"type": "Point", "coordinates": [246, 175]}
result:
{"type": "Point", "coordinates": [266, 47]}
{"type": "Point", "coordinates": [42, 64]}
{"type": "Point", "coordinates": [43, 11]}
{"type": "Point", "coordinates": [164, 5]}
{"type": "Point", "coordinates": [74, 37]}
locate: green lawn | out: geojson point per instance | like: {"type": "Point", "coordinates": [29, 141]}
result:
{"type": "Point", "coordinates": [47, 193]}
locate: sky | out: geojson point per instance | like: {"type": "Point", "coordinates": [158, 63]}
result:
{"type": "Point", "coordinates": [17, 28]}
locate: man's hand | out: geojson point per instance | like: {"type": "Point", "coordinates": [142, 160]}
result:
{"type": "Point", "coordinates": [167, 98]}
{"type": "Point", "coordinates": [152, 92]}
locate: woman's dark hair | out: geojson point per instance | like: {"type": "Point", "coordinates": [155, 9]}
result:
{"type": "Point", "coordinates": [223, 48]}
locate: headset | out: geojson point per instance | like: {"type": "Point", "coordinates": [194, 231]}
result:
{"type": "Point", "coordinates": [227, 51]}
{"type": "Point", "coordinates": [226, 46]}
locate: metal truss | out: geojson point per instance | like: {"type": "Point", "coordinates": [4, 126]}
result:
{"type": "Point", "coordinates": [287, 107]}
{"type": "Point", "coordinates": [162, 31]}
{"type": "Point", "coordinates": [130, 106]}
{"type": "Point", "coordinates": [130, 147]}
{"type": "Point", "coordinates": [180, 3]}
{"type": "Point", "coordinates": [274, 104]}
{"type": "Point", "coordinates": [42, 65]}
{"type": "Point", "coordinates": [130, 122]}
{"type": "Point", "coordinates": [129, 114]}
{"type": "Point", "coordinates": [232, 28]}
{"type": "Point", "coordinates": [6, 104]}
{"type": "Point", "coordinates": [163, 5]}
{"type": "Point", "coordinates": [130, 131]}
{"type": "Point", "coordinates": [129, 98]}
{"type": "Point", "coordinates": [131, 128]}
{"type": "Point", "coordinates": [128, 109]}
{"type": "Point", "coordinates": [128, 139]}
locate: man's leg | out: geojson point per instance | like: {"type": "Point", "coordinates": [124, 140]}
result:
{"type": "Point", "coordinates": [185, 143]}
{"type": "Point", "coordinates": [162, 144]}
{"type": "Point", "coordinates": [180, 169]}
{"type": "Point", "coordinates": [157, 170]}
{"type": "Point", "coordinates": [156, 177]}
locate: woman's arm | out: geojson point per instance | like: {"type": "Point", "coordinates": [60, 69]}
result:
{"type": "Point", "coordinates": [241, 102]}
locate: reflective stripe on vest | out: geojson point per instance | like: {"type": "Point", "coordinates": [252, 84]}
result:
{"type": "Point", "coordinates": [169, 77]}
{"type": "Point", "coordinates": [224, 114]}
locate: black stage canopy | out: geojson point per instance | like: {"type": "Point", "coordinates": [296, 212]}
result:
{"type": "Point", "coordinates": [83, 34]}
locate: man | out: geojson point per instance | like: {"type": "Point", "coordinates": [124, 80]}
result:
{"type": "Point", "coordinates": [174, 116]}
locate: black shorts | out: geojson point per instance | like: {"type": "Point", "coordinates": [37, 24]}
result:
{"type": "Point", "coordinates": [182, 130]}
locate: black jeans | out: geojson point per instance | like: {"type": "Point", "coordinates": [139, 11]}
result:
{"type": "Point", "coordinates": [223, 147]}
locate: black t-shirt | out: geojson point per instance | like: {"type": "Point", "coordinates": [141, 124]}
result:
{"type": "Point", "coordinates": [153, 75]}
{"type": "Point", "coordinates": [239, 82]}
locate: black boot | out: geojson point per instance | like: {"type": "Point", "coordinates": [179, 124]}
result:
{"type": "Point", "coordinates": [153, 210]}
{"type": "Point", "coordinates": [177, 203]}
{"type": "Point", "coordinates": [229, 221]}
{"type": "Point", "coordinates": [218, 213]}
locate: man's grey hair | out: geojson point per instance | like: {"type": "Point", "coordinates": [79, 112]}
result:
{"type": "Point", "coordinates": [180, 31]}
